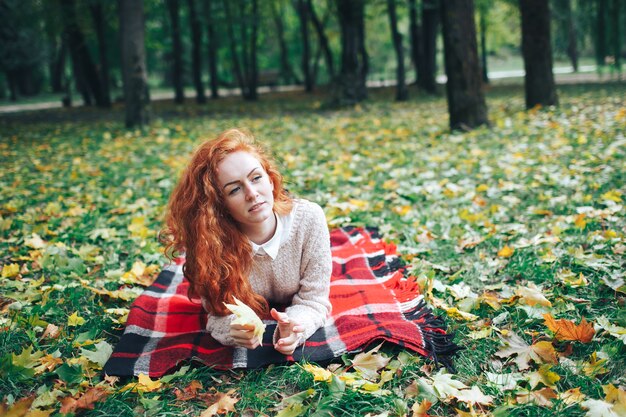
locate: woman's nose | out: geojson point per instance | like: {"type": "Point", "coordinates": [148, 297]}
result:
{"type": "Point", "coordinates": [250, 192]}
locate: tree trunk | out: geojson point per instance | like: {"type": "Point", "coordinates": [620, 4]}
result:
{"type": "Point", "coordinates": [402, 92]}
{"type": "Point", "coordinates": [617, 36]}
{"type": "Point", "coordinates": [97, 15]}
{"type": "Point", "coordinates": [427, 77]}
{"type": "Point", "coordinates": [414, 33]}
{"type": "Point", "coordinates": [483, 43]}
{"type": "Point", "coordinates": [466, 100]}
{"type": "Point", "coordinates": [136, 94]}
{"type": "Point", "coordinates": [233, 48]}
{"type": "Point", "coordinates": [351, 14]}
{"type": "Point", "coordinates": [253, 78]}
{"type": "Point", "coordinates": [601, 49]}
{"type": "Point", "coordinates": [323, 40]}
{"type": "Point", "coordinates": [196, 46]}
{"type": "Point", "coordinates": [80, 54]}
{"type": "Point", "coordinates": [286, 71]}
{"type": "Point", "coordinates": [57, 67]}
{"type": "Point", "coordinates": [572, 49]}
{"type": "Point", "coordinates": [302, 11]}
{"type": "Point", "coordinates": [539, 83]}
{"type": "Point", "coordinates": [173, 8]}
{"type": "Point", "coordinates": [212, 47]}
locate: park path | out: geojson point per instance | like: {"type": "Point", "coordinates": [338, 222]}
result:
{"type": "Point", "coordinates": [563, 75]}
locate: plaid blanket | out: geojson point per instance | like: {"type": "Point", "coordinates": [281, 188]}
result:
{"type": "Point", "coordinates": [372, 300]}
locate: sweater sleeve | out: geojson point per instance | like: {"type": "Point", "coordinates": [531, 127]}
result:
{"type": "Point", "coordinates": [219, 328]}
{"type": "Point", "coordinates": [310, 305]}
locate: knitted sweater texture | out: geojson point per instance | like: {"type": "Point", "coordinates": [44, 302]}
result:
{"type": "Point", "coordinates": [299, 277]}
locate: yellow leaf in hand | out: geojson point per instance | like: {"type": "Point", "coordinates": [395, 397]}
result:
{"type": "Point", "coordinates": [245, 315]}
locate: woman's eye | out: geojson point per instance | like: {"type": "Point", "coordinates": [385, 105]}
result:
{"type": "Point", "coordinates": [234, 190]}
{"type": "Point", "coordinates": [257, 178]}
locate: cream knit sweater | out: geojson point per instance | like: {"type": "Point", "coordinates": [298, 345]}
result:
{"type": "Point", "coordinates": [299, 276]}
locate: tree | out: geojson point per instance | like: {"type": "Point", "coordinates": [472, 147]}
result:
{"type": "Point", "coordinates": [466, 100]}
{"type": "Point", "coordinates": [85, 70]}
{"type": "Point", "coordinates": [136, 94]}
{"type": "Point", "coordinates": [173, 9]}
{"type": "Point", "coordinates": [246, 68]}
{"type": "Point", "coordinates": [351, 14]}
{"type": "Point", "coordinates": [303, 15]}
{"type": "Point", "coordinates": [196, 47]}
{"type": "Point", "coordinates": [212, 46]}
{"type": "Point", "coordinates": [323, 40]}
{"type": "Point", "coordinates": [483, 11]}
{"type": "Point", "coordinates": [286, 71]}
{"type": "Point", "coordinates": [402, 92]}
{"type": "Point", "coordinates": [97, 14]}
{"type": "Point", "coordinates": [427, 67]}
{"type": "Point", "coordinates": [539, 83]}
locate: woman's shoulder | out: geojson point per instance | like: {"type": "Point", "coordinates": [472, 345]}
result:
{"type": "Point", "coordinates": [306, 209]}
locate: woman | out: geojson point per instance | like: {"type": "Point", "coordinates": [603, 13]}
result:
{"type": "Point", "coordinates": [245, 238]}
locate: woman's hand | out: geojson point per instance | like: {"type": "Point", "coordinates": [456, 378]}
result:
{"type": "Point", "coordinates": [289, 333]}
{"type": "Point", "coordinates": [243, 335]}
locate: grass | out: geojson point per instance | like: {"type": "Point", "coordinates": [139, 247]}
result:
{"type": "Point", "coordinates": [95, 193]}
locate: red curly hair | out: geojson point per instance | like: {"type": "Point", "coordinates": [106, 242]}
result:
{"type": "Point", "coordinates": [218, 254]}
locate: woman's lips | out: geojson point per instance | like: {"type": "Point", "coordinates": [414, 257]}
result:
{"type": "Point", "coordinates": [256, 206]}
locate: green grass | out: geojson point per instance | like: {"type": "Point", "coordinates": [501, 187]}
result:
{"type": "Point", "coordinates": [78, 180]}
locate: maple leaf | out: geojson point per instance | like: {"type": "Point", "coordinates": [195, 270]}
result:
{"type": "Point", "coordinates": [615, 331]}
{"type": "Point", "coordinates": [190, 392]}
{"type": "Point", "coordinates": [27, 358]}
{"type": "Point", "coordinates": [506, 252]}
{"type": "Point", "coordinates": [532, 295]}
{"type": "Point", "coordinates": [543, 376]}
{"type": "Point", "coordinates": [85, 401]}
{"type": "Point", "coordinates": [446, 386]}
{"type": "Point", "coordinates": [599, 408]}
{"type": "Point", "coordinates": [525, 352]}
{"type": "Point", "coordinates": [75, 320]}
{"type": "Point", "coordinates": [474, 396]}
{"type": "Point", "coordinates": [542, 397]}
{"type": "Point", "coordinates": [18, 409]}
{"type": "Point", "coordinates": [319, 374]}
{"type": "Point", "coordinates": [10, 270]}
{"type": "Point", "coordinates": [244, 315]}
{"type": "Point", "coordinates": [566, 329]}
{"type": "Point", "coordinates": [420, 409]}
{"type": "Point", "coordinates": [368, 363]}
{"type": "Point", "coordinates": [572, 396]}
{"type": "Point", "coordinates": [225, 403]}
{"type": "Point", "coordinates": [100, 355]}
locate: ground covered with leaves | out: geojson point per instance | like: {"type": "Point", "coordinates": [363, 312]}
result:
{"type": "Point", "coordinates": [516, 234]}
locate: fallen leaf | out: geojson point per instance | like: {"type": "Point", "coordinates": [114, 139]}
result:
{"type": "Point", "coordinates": [566, 329]}
{"type": "Point", "coordinates": [532, 295]}
{"type": "Point", "coordinates": [506, 252]}
{"type": "Point", "coordinates": [225, 403]}
{"type": "Point", "coordinates": [368, 363]}
{"type": "Point", "coordinates": [421, 409]}
{"type": "Point", "coordinates": [515, 345]}
{"type": "Point", "coordinates": [319, 374]}
{"type": "Point", "coordinates": [18, 409]}
{"type": "Point", "coordinates": [75, 320]}
{"type": "Point", "coordinates": [542, 397]}
{"type": "Point", "coordinates": [83, 401]}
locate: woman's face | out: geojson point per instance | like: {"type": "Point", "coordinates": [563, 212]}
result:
{"type": "Point", "coordinates": [247, 190]}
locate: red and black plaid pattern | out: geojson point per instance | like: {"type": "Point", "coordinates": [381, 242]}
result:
{"type": "Point", "coordinates": [372, 300]}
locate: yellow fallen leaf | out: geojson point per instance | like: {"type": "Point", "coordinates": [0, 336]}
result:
{"type": "Point", "coordinates": [580, 221]}
{"type": "Point", "coordinates": [506, 252]}
{"type": "Point", "coordinates": [368, 363]}
{"type": "Point", "coordinates": [75, 320]}
{"type": "Point", "coordinates": [543, 376]}
{"type": "Point", "coordinates": [613, 195]}
{"type": "Point", "coordinates": [35, 242]}
{"type": "Point", "coordinates": [245, 315]}
{"type": "Point", "coordinates": [10, 270]}
{"type": "Point", "coordinates": [319, 374]}
{"type": "Point", "coordinates": [146, 384]}
{"type": "Point", "coordinates": [542, 397]}
{"type": "Point", "coordinates": [572, 396]}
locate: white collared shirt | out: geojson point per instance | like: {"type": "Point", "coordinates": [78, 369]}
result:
{"type": "Point", "coordinates": [270, 248]}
